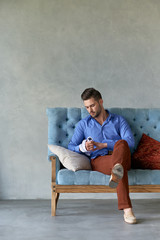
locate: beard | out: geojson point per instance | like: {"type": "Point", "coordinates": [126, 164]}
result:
{"type": "Point", "coordinates": [97, 113]}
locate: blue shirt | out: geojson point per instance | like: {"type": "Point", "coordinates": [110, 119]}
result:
{"type": "Point", "coordinates": [113, 129]}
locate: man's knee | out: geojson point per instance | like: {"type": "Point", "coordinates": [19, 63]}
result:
{"type": "Point", "coordinates": [122, 150]}
{"type": "Point", "coordinates": [122, 143]}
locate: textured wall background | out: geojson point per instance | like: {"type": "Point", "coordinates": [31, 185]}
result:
{"type": "Point", "coordinates": [50, 51]}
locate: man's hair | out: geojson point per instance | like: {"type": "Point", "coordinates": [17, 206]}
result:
{"type": "Point", "coordinates": [91, 93]}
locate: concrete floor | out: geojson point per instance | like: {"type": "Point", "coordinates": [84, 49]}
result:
{"type": "Point", "coordinates": [78, 220]}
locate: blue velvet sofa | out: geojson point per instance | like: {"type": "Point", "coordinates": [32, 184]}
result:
{"type": "Point", "coordinates": [61, 125]}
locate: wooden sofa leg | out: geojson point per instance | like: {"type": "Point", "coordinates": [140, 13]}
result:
{"type": "Point", "coordinates": [57, 198]}
{"type": "Point", "coordinates": [53, 204]}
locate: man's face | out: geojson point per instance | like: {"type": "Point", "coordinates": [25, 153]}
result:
{"type": "Point", "coordinates": [93, 107]}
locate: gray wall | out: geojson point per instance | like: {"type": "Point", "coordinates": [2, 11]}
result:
{"type": "Point", "coordinates": [50, 51]}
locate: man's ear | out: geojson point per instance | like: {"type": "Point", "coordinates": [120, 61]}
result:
{"type": "Point", "coordinates": [101, 101]}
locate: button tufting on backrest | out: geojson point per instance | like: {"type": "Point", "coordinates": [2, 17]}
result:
{"type": "Point", "coordinates": [62, 122]}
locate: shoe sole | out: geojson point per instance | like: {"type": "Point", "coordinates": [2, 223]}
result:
{"type": "Point", "coordinates": [118, 171]}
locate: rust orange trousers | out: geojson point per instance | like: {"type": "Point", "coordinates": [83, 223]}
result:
{"type": "Point", "coordinates": [104, 164]}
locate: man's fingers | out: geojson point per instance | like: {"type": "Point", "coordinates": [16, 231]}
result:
{"type": "Point", "coordinates": [92, 146]}
{"type": "Point", "coordinates": [94, 149]}
{"type": "Point", "coordinates": [95, 143]}
{"type": "Point", "coordinates": [89, 146]}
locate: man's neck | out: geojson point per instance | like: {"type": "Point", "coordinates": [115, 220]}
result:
{"type": "Point", "coordinates": [102, 117]}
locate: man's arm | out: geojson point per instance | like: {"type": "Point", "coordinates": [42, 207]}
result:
{"type": "Point", "coordinates": [77, 138]}
{"type": "Point", "coordinates": [126, 133]}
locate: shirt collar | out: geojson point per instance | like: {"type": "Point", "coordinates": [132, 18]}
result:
{"type": "Point", "coordinates": [108, 118]}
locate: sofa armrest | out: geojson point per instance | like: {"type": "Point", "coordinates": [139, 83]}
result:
{"type": "Point", "coordinates": [51, 155]}
{"type": "Point", "coordinates": [53, 160]}
{"type": "Point", "coordinates": [55, 166]}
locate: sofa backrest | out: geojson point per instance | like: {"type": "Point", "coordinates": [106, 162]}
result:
{"type": "Point", "coordinates": [62, 122]}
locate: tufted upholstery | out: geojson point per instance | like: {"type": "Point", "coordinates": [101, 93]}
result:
{"type": "Point", "coordinates": [61, 125]}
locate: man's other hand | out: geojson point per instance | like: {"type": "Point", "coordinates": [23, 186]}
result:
{"type": "Point", "coordinates": [92, 145]}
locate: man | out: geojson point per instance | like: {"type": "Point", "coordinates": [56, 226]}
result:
{"type": "Point", "coordinates": [107, 139]}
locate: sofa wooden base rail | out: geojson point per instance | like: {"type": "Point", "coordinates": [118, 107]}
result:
{"type": "Point", "coordinates": [57, 189]}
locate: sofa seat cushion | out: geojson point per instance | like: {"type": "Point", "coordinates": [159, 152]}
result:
{"type": "Point", "coordinates": [86, 177]}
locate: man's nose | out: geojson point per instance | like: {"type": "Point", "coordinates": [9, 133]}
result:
{"type": "Point", "coordinates": [90, 109]}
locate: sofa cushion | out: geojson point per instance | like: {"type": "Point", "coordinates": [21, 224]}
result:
{"type": "Point", "coordinates": [70, 160]}
{"type": "Point", "coordinates": [84, 177]}
{"type": "Point", "coordinates": [147, 154]}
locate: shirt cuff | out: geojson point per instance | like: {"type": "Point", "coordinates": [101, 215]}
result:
{"type": "Point", "coordinates": [82, 146]}
{"type": "Point", "coordinates": [83, 149]}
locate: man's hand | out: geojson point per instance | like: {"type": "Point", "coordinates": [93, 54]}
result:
{"type": "Point", "coordinates": [89, 146]}
{"type": "Point", "coordinates": [92, 145]}
{"type": "Point", "coordinates": [99, 145]}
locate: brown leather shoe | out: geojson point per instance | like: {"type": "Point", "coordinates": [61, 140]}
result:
{"type": "Point", "coordinates": [116, 175]}
{"type": "Point", "coordinates": [130, 218]}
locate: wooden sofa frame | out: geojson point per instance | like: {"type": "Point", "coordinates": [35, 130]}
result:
{"type": "Point", "coordinates": [57, 189]}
